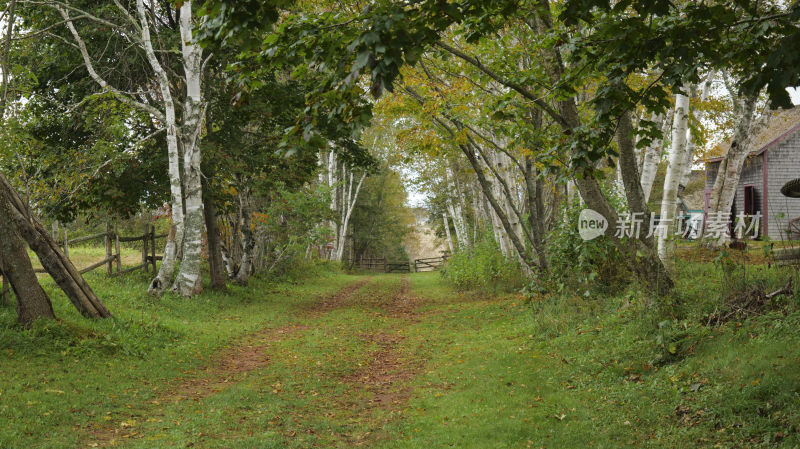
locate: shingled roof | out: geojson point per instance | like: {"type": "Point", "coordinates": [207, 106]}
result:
{"type": "Point", "coordinates": [782, 124]}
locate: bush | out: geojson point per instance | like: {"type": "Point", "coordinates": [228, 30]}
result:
{"type": "Point", "coordinates": [578, 266]}
{"type": "Point", "coordinates": [483, 268]}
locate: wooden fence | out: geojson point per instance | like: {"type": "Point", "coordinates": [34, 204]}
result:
{"type": "Point", "coordinates": [429, 263]}
{"type": "Point", "coordinates": [113, 258]}
{"type": "Point", "coordinates": [400, 267]}
{"type": "Point", "coordinates": [376, 264]}
{"type": "Point", "coordinates": [380, 264]}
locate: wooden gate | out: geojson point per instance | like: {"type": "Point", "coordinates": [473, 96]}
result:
{"type": "Point", "coordinates": [429, 263]}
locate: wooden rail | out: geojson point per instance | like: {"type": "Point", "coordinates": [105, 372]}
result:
{"type": "Point", "coordinates": [403, 267]}
{"type": "Point", "coordinates": [380, 264]}
{"type": "Point", "coordinates": [113, 257]}
{"type": "Point", "coordinates": [429, 263]}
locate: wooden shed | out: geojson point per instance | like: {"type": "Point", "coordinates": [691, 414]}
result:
{"type": "Point", "coordinates": [774, 161]}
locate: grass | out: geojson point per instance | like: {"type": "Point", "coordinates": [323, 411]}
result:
{"type": "Point", "coordinates": [459, 370]}
{"type": "Point", "coordinates": [84, 256]}
{"type": "Point", "coordinates": [57, 377]}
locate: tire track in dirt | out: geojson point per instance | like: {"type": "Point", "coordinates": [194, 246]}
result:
{"type": "Point", "coordinates": [226, 368]}
{"type": "Point", "coordinates": [330, 302]}
{"type": "Point", "coordinates": [386, 377]}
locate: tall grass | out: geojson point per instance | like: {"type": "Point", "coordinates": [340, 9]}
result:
{"type": "Point", "coordinates": [483, 268]}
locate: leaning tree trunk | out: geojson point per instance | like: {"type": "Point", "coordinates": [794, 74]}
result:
{"type": "Point", "coordinates": [730, 168]}
{"type": "Point", "coordinates": [674, 172]}
{"type": "Point", "coordinates": [32, 301]}
{"type": "Point", "coordinates": [52, 258]}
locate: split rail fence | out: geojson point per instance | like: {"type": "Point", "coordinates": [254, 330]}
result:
{"type": "Point", "coordinates": [113, 257]}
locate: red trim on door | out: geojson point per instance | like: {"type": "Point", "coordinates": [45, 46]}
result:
{"type": "Point", "coordinates": [765, 193]}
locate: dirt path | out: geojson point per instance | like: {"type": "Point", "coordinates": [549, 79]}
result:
{"type": "Point", "coordinates": [229, 366]}
{"type": "Point", "coordinates": [373, 394]}
{"type": "Point", "coordinates": [384, 379]}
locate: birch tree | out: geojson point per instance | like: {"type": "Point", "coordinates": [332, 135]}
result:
{"type": "Point", "coordinates": [748, 124]}
{"type": "Point", "coordinates": [675, 167]}
{"type": "Point", "coordinates": [183, 133]}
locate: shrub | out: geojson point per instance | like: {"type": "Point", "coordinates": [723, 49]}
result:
{"type": "Point", "coordinates": [483, 268]}
{"type": "Point", "coordinates": [578, 266]}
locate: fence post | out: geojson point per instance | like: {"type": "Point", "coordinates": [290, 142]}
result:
{"type": "Point", "coordinates": [384, 264]}
{"type": "Point", "coordinates": [66, 243]}
{"type": "Point", "coordinates": [145, 238]}
{"type": "Point", "coordinates": [116, 246]}
{"type": "Point", "coordinates": [109, 266]}
{"type": "Point", "coordinates": [153, 245]}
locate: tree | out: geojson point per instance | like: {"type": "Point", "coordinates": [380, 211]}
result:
{"type": "Point", "coordinates": [32, 301]}
{"type": "Point", "coordinates": [675, 169]}
{"type": "Point", "coordinates": [154, 95]}
{"type": "Point", "coordinates": [381, 220]}
{"type": "Point", "coordinates": [17, 221]}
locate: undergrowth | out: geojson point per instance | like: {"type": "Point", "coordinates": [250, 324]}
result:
{"type": "Point", "coordinates": [483, 268]}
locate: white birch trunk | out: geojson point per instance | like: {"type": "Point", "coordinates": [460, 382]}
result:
{"type": "Point", "coordinates": [652, 156]}
{"type": "Point", "coordinates": [333, 184]}
{"type": "Point", "coordinates": [189, 281]}
{"type": "Point", "coordinates": [351, 205]}
{"type": "Point", "coordinates": [159, 284]}
{"type": "Point", "coordinates": [674, 171]}
{"type": "Point", "coordinates": [447, 232]}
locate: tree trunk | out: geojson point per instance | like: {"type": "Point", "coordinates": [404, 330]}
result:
{"type": "Point", "coordinates": [248, 242]}
{"type": "Point", "coordinates": [32, 301]}
{"type": "Point", "coordinates": [352, 197]}
{"type": "Point", "coordinates": [730, 168]}
{"type": "Point", "coordinates": [652, 156]}
{"type": "Point", "coordinates": [215, 262]}
{"type": "Point", "coordinates": [189, 280]}
{"type": "Point", "coordinates": [52, 258]}
{"type": "Point", "coordinates": [447, 232]}
{"type": "Point", "coordinates": [536, 211]}
{"type": "Point", "coordinates": [175, 241]}
{"type": "Point", "coordinates": [629, 175]}
{"type": "Point", "coordinates": [674, 171]}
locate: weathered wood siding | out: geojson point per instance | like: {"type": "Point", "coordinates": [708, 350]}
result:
{"type": "Point", "coordinates": [783, 164]}
{"type": "Point", "coordinates": [752, 174]}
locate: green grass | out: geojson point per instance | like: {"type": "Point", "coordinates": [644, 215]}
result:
{"type": "Point", "coordinates": [57, 377]}
{"type": "Point", "coordinates": [488, 372]}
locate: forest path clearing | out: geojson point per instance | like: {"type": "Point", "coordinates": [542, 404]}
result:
{"type": "Point", "coordinates": [380, 361]}
{"type": "Point", "coordinates": [371, 389]}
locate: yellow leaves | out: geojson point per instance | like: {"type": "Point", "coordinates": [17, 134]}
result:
{"type": "Point", "coordinates": [128, 424]}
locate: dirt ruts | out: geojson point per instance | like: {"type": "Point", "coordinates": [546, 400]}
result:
{"type": "Point", "coordinates": [225, 368]}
